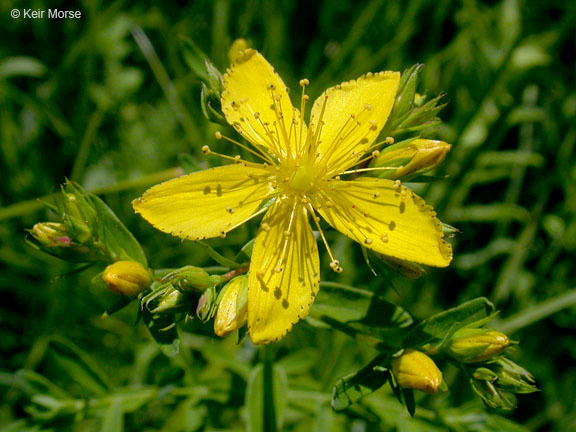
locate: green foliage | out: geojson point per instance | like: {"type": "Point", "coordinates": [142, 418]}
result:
{"type": "Point", "coordinates": [114, 101]}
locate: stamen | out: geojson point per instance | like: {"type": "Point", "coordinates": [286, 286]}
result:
{"type": "Point", "coordinates": [260, 154]}
{"type": "Point", "coordinates": [354, 171]}
{"type": "Point", "coordinates": [279, 267]}
{"type": "Point", "coordinates": [334, 263]}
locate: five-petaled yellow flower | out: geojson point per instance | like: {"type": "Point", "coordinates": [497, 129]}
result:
{"type": "Point", "coordinates": [300, 177]}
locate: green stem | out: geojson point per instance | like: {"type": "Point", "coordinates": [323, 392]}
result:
{"type": "Point", "coordinates": [269, 404]}
{"type": "Point", "coordinates": [30, 206]}
{"type": "Point", "coordinates": [84, 150]}
{"type": "Point", "coordinates": [187, 122]}
{"type": "Point", "coordinates": [538, 312]}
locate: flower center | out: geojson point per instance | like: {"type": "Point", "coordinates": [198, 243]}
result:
{"type": "Point", "coordinates": [301, 180]}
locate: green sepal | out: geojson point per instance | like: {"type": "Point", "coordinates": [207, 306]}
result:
{"type": "Point", "coordinates": [434, 329]}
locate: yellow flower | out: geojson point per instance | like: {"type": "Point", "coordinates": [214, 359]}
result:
{"type": "Point", "coordinates": [299, 177]}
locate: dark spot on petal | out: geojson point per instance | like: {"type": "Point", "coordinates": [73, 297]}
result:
{"type": "Point", "coordinates": [277, 293]}
{"type": "Point", "coordinates": [402, 207]}
{"type": "Point", "coordinates": [207, 190]}
{"type": "Point", "coordinates": [219, 190]}
{"type": "Point", "coordinates": [285, 304]}
{"type": "Point", "coordinates": [392, 225]}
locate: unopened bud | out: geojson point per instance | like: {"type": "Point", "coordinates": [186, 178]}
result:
{"type": "Point", "coordinates": [190, 278]}
{"type": "Point", "coordinates": [236, 49]}
{"type": "Point", "coordinates": [233, 306]}
{"type": "Point", "coordinates": [476, 345]}
{"type": "Point", "coordinates": [171, 301]}
{"type": "Point", "coordinates": [412, 158]}
{"type": "Point", "coordinates": [415, 370]}
{"type": "Point", "coordinates": [127, 278]}
{"type": "Point", "coordinates": [51, 234]}
{"type": "Point", "coordinates": [205, 307]}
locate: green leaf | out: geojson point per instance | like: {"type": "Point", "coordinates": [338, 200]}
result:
{"type": "Point", "coordinates": [164, 331]}
{"type": "Point", "coordinates": [436, 327]}
{"type": "Point", "coordinates": [356, 311]}
{"type": "Point", "coordinates": [114, 418]}
{"type": "Point", "coordinates": [266, 397]}
{"type": "Point", "coordinates": [21, 66]}
{"type": "Point", "coordinates": [194, 58]}
{"type": "Point", "coordinates": [222, 260]}
{"type": "Point", "coordinates": [79, 367]}
{"type": "Point", "coordinates": [367, 380]}
{"type": "Point", "coordinates": [115, 236]}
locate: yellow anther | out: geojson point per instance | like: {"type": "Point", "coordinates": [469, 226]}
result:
{"type": "Point", "coordinates": [304, 82]}
{"type": "Point", "coordinates": [218, 135]}
{"type": "Point", "coordinates": [375, 153]}
{"type": "Point", "coordinates": [305, 98]}
{"type": "Point", "coordinates": [265, 227]}
{"type": "Point", "coordinates": [376, 195]}
{"type": "Point", "coordinates": [396, 184]}
{"type": "Point", "coordinates": [389, 140]}
{"type": "Point", "coordinates": [205, 149]}
{"type": "Point", "coordinates": [223, 234]}
{"type": "Point", "coordinates": [368, 107]}
{"type": "Point", "coordinates": [230, 210]}
{"type": "Point", "coordinates": [271, 87]}
{"type": "Point", "coordinates": [368, 241]}
{"type": "Point", "coordinates": [278, 269]}
{"type": "Point", "coordinates": [384, 237]}
{"type": "Point", "coordinates": [256, 115]}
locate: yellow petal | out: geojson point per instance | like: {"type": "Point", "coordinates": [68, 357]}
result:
{"type": "Point", "coordinates": [256, 103]}
{"type": "Point", "coordinates": [207, 203]}
{"type": "Point", "coordinates": [284, 272]}
{"type": "Point", "coordinates": [386, 217]}
{"type": "Point", "coordinates": [351, 116]}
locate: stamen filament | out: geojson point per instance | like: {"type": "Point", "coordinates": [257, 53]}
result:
{"type": "Point", "coordinates": [258, 154]}
{"type": "Point", "coordinates": [334, 263]}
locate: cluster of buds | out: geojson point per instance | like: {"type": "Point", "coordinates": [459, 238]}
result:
{"type": "Point", "coordinates": [495, 382]}
{"type": "Point", "coordinates": [88, 231]}
{"type": "Point", "coordinates": [477, 352]}
{"type": "Point", "coordinates": [411, 112]}
{"type": "Point", "coordinates": [181, 290]}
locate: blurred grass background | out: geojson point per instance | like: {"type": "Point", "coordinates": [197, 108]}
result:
{"type": "Point", "coordinates": [101, 103]}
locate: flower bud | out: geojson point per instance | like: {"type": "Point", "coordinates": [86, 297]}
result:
{"type": "Point", "coordinates": [233, 307]}
{"type": "Point", "coordinates": [190, 278]}
{"type": "Point", "coordinates": [171, 301]}
{"type": "Point", "coordinates": [127, 278]}
{"type": "Point", "coordinates": [51, 234]}
{"type": "Point", "coordinates": [415, 370]}
{"type": "Point", "coordinates": [205, 307]}
{"type": "Point", "coordinates": [476, 345]}
{"type": "Point", "coordinates": [412, 158]}
{"type": "Point", "coordinates": [236, 49]}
